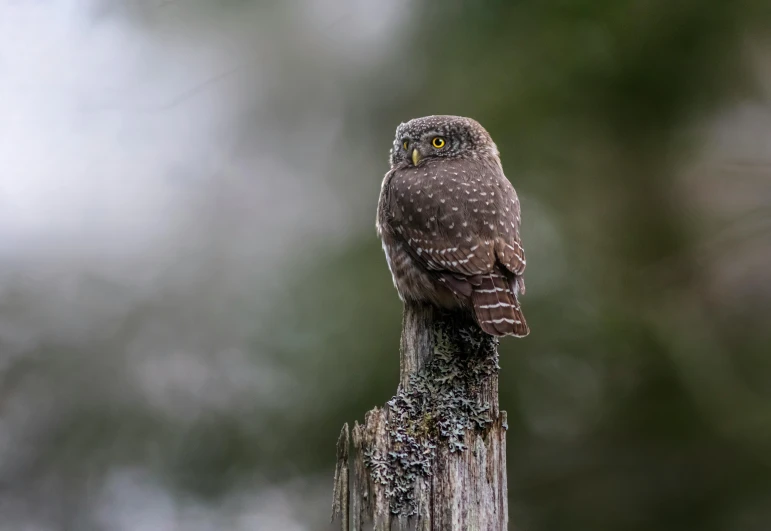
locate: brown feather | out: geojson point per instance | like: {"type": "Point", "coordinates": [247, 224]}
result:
{"type": "Point", "coordinates": [450, 226]}
{"type": "Point", "coordinates": [496, 307]}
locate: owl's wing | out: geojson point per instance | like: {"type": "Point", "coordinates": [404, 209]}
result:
{"type": "Point", "coordinates": [433, 212]}
{"type": "Point", "coordinates": [459, 221]}
{"type": "Point", "coordinates": [508, 245]}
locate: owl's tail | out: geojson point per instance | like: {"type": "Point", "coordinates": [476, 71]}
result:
{"type": "Point", "coordinates": [496, 307]}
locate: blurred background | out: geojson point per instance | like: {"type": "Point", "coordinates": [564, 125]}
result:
{"type": "Point", "coordinates": [193, 299]}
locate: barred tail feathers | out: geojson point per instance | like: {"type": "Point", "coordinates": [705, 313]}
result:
{"type": "Point", "coordinates": [496, 307]}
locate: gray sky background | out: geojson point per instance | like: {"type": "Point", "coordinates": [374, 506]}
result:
{"type": "Point", "coordinates": [142, 160]}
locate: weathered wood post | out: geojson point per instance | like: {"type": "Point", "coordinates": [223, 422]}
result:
{"type": "Point", "coordinates": [434, 457]}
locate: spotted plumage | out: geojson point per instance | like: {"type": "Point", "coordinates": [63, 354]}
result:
{"type": "Point", "coordinates": [449, 222]}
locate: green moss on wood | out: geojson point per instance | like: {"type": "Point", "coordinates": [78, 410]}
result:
{"type": "Point", "coordinates": [441, 406]}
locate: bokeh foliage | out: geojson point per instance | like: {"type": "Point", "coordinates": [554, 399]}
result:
{"type": "Point", "coordinates": [631, 404]}
{"type": "Point", "coordinates": [640, 401]}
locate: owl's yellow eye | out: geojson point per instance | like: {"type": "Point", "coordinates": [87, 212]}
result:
{"type": "Point", "coordinates": [438, 142]}
{"type": "Point", "coordinates": [405, 144]}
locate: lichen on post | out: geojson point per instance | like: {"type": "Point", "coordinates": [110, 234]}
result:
{"type": "Point", "coordinates": [434, 456]}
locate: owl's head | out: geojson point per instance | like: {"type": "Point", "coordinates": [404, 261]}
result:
{"type": "Point", "coordinates": [422, 140]}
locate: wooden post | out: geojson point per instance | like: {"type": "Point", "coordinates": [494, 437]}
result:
{"type": "Point", "coordinates": [434, 457]}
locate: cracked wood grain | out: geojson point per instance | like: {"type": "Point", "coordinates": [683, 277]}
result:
{"type": "Point", "coordinates": [434, 456]}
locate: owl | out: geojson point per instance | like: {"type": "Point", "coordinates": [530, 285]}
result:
{"type": "Point", "coordinates": [449, 222]}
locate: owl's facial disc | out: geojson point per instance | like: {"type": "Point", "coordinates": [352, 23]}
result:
{"type": "Point", "coordinates": [426, 140]}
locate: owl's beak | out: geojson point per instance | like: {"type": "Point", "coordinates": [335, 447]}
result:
{"type": "Point", "coordinates": [415, 156]}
